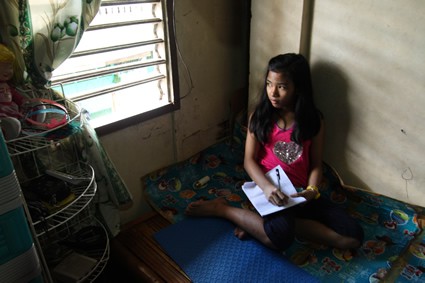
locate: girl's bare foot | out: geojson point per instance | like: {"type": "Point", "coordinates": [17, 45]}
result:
{"type": "Point", "coordinates": [212, 207]}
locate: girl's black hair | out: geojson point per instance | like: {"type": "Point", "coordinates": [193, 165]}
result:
{"type": "Point", "coordinates": [307, 116]}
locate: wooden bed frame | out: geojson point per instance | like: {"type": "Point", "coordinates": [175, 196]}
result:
{"type": "Point", "coordinates": [137, 252]}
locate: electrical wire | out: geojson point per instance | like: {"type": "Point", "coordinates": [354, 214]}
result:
{"type": "Point", "coordinates": [190, 83]}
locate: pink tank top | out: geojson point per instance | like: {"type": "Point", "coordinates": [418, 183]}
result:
{"type": "Point", "coordinates": [293, 158]}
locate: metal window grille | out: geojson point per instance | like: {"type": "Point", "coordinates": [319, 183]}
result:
{"type": "Point", "coordinates": [123, 65]}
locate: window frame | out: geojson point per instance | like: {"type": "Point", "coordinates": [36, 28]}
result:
{"type": "Point", "coordinates": [172, 71]}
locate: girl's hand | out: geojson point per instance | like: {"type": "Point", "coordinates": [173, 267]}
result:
{"type": "Point", "coordinates": [307, 194]}
{"type": "Point", "coordinates": [275, 196]}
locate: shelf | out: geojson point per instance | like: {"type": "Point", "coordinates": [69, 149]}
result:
{"type": "Point", "coordinates": [102, 257]}
{"type": "Point", "coordinates": [33, 154]}
{"type": "Point", "coordinates": [64, 238]}
{"type": "Point", "coordinates": [42, 139]}
{"type": "Point", "coordinates": [83, 196]}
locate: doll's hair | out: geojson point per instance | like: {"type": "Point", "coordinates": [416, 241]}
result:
{"type": "Point", "coordinates": [6, 55]}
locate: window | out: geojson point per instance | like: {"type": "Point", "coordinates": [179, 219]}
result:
{"type": "Point", "coordinates": [124, 70]}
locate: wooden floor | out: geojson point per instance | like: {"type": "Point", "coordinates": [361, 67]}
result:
{"type": "Point", "coordinates": [137, 256]}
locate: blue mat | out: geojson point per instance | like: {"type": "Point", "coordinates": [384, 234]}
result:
{"type": "Point", "coordinates": [207, 250]}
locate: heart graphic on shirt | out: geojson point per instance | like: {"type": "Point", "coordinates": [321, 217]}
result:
{"type": "Point", "coordinates": [287, 152]}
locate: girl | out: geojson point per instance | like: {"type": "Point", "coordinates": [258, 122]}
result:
{"type": "Point", "coordinates": [287, 129]}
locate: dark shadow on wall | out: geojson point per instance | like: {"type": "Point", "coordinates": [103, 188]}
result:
{"type": "Point", "coordinates": [331, 95]}
{"type": "Point", "coordinates": [230, 16]}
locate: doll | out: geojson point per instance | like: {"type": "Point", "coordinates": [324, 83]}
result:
{"type": "Point", "coordinates": [10, 99]}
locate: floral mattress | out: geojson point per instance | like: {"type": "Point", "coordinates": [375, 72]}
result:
{"type": "Point", "coordinates": [394, 245]}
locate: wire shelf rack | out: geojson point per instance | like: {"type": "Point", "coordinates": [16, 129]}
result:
{"type": "Point", "coordinates": [100, 253]}
{"type": "Point", "coordinates": [59, 149]}
{"type": "Point", "coordinates": [83, 196]}
{"type": "Point", "coordinates": [36, 140]}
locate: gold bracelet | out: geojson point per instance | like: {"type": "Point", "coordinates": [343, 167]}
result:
{"type": "Point", "coordinates": [314, 188]}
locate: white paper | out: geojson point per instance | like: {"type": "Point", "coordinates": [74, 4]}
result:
{"type": "Point", "coordinates": [258, 198]}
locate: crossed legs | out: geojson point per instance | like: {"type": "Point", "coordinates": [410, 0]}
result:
{"type": "Point", "coordinates": [246, 221]}
{"type": "Point", "coordinates": [252, 223]}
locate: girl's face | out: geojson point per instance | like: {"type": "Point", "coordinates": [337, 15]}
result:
{"type": "Point", "coordinates": [280, 90]}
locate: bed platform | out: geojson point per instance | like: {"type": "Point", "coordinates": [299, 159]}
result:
{"type": "Point", "coordinates": [137, 253]}
{"type": "Point", "coordinates": [393, 250]}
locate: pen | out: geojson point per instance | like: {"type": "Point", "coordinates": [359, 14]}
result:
{"type": "Point", "coordinates": [278, 178]}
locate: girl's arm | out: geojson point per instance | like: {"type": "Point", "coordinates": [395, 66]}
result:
{"type": "Point", "coordinates": [254, 171]}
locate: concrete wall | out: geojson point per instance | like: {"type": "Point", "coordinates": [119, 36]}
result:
{"type": "Point", "coordinates": [368, 65]}
{"type": "Point", "coordinates": [213, 40]}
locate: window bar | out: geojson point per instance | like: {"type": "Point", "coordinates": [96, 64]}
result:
{"type": "Point", "coordinates": [123, 24]}
{"type": "Point", "coordinates": [116, 48]}
{"type": "Point", "coordinates": [117, 88]}
{"type": "Point", "coordinates": [120, 2]}
{"type": "Point", "coordinates": [109, 71]}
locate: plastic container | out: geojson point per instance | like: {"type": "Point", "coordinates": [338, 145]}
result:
{"type": "Point", "coordinates": [6, 166]}
{"type": "Point", "coordinates": [15, 236]}
{"type": "Point", "coordinates": [19, 260]}
{"type": "Point", "coordinates": [23, 268]}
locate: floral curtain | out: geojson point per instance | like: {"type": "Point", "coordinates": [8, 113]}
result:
{"type": "Point", "coordinates": [42, 34]}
